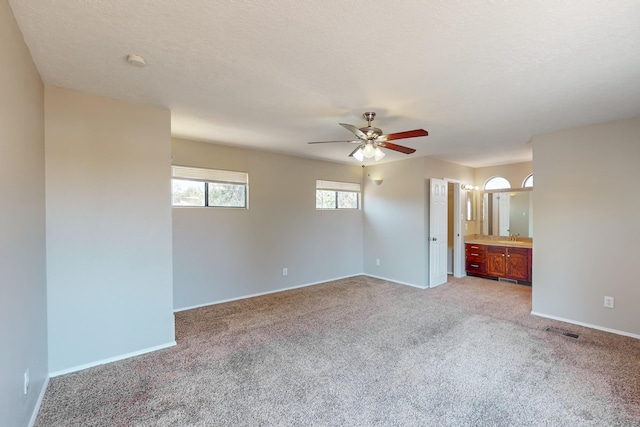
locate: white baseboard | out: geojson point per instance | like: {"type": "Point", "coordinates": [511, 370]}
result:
{"type": "Point", "coordinates": [176, 310]}
{"type": "Point", "coordinates": [397, 281]}
{"type": "Point", "coordinates": [588, 325]}
{"type": "Point", "coordinates": [111, 359]}
{"type": "Point", "coordinates": [36, 409]}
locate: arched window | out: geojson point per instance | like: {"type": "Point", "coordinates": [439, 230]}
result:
{"type": "Point", "coordinates": [496, 183]}
{"type": "Point", "coordinates": [528, 181]}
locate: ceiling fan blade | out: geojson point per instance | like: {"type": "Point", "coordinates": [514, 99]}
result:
{"type": "Point", "coordinates": [402, 135]}
{"type": "Point", "coordinates": [357, 132]}
{"type": "Point", "coordinates": [327, 142]}
{"type": "Point", "coordinates": [354, 151]}
{"type": "Point", "coordinates": [395, 147]}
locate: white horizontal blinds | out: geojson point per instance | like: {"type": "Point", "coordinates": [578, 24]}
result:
{"type": "Point", "coordinates": [209, 175]}
{"type": "Point", "coordinates": [337, 186]}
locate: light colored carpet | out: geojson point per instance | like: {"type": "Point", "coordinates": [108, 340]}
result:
{"type": "Point", "coordinates": [364, 351]}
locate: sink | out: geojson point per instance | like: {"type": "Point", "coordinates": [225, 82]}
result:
{"type": "Point", "coordinates": [511, 242]}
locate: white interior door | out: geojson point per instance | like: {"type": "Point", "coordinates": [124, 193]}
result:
{"type": "Point", "coordinates": [437, 232]}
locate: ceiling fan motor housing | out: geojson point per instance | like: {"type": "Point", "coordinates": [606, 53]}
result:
{"type": "Point", "coordinates": [371, 132]}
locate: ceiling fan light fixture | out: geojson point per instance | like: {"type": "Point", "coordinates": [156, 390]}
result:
{"type": "Point", "coordinates": [369, 151]}
{"type": "Point", "coordinates": [379, 154]}
{"type": "Point", "coordinates": [358, 155]}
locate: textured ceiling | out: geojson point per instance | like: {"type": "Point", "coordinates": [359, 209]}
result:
{"type": "Point", "coordinates": [482, 77]}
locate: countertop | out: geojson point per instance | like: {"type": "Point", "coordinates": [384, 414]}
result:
{"type": "Point", "coordinates": [505, 242]}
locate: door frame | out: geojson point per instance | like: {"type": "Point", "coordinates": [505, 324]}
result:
{"type": "Point", "coordinates": [459, 269]}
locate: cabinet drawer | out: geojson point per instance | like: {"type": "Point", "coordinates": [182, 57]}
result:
{"type": "Point", "coordinates": [492, 249]}
{"type": "Point", "coordinates": [475, 253]}
{"type": "Point", "coordinates": [476, 267]}
{"type": "Point", "coordinates": [475, 256]}
{"type": "Point", "coordinates": [519, 251]}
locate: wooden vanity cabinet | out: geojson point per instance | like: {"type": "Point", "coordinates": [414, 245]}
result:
{"type": "Point", "coordinates": [501, 262]}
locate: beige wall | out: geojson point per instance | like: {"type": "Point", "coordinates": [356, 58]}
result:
{"type": "Point", "coordinates": [109, 267]}
{"type": "Point", "coordinates": [515, 173]}
{"type": "Point", "coordinates": [222, 254]}
{"type": "Point", "coordinates": [394, 222]}
{"type": "Point", "coordinates": [396, 215]}
{"type": "Point", "coordinates": [587, 221]}
{"type": "Point", "coordinates": [23, 339]}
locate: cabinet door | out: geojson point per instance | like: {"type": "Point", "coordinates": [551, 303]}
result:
{"type": "Point", "coordinates": [496, 261]}
{"type": "Point", "coordinates": [518, 264]}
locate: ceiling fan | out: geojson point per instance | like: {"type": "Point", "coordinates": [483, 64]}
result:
{"type": "Point", "coordinates": [371, 139]}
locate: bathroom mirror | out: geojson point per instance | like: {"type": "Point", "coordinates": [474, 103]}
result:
{"type": "Point", "coordinates": [507, 212]}
{"type": "Point", "coordinates": [469, 205]}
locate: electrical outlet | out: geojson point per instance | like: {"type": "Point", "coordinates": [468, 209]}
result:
{"type": "Point", "coordinates": [377, 261]}
{"type": "Point", "coordinates": [26, 381]}
{"type": "Point", "coordinates": [608, 302]}
{"type": "Point", "coordinates": [285, 271]}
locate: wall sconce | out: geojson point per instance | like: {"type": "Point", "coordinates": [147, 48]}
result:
{"type": "Point", "coordinates": [376, 181]}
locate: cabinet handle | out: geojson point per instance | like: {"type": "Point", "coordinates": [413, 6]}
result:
{"type": "Point", "coordinates": [474, 247]}
{"type": "Point", "coordinates": [502, 254]}
{"type": "Point", "coordinates": [508, 256]}
{"type": "Point", "coordinates": [474, 255]}
{"type": "Point", "coordinates": [474, 265]}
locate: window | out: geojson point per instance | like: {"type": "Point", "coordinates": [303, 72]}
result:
{"type": "Point", "coordinates": [337, 195]}
{"type": "Point", "coordinates": [496, 183]}
{"type": "Point", "coordinates": [208, 187]}
{"type": "Point", "coordinates": [528, 181]}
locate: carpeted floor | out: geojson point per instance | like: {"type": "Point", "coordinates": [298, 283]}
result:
{"type": "Point", "coordinates": [363, 351]}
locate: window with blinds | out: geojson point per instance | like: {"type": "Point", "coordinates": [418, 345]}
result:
{"type": "Point", "coordinates": [209, 187]}
{"type": "Point", "coordinates": [337, 195]}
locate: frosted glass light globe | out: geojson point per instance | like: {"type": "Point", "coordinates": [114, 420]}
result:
{"type": "Point", "coordinates": [369, 151]}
